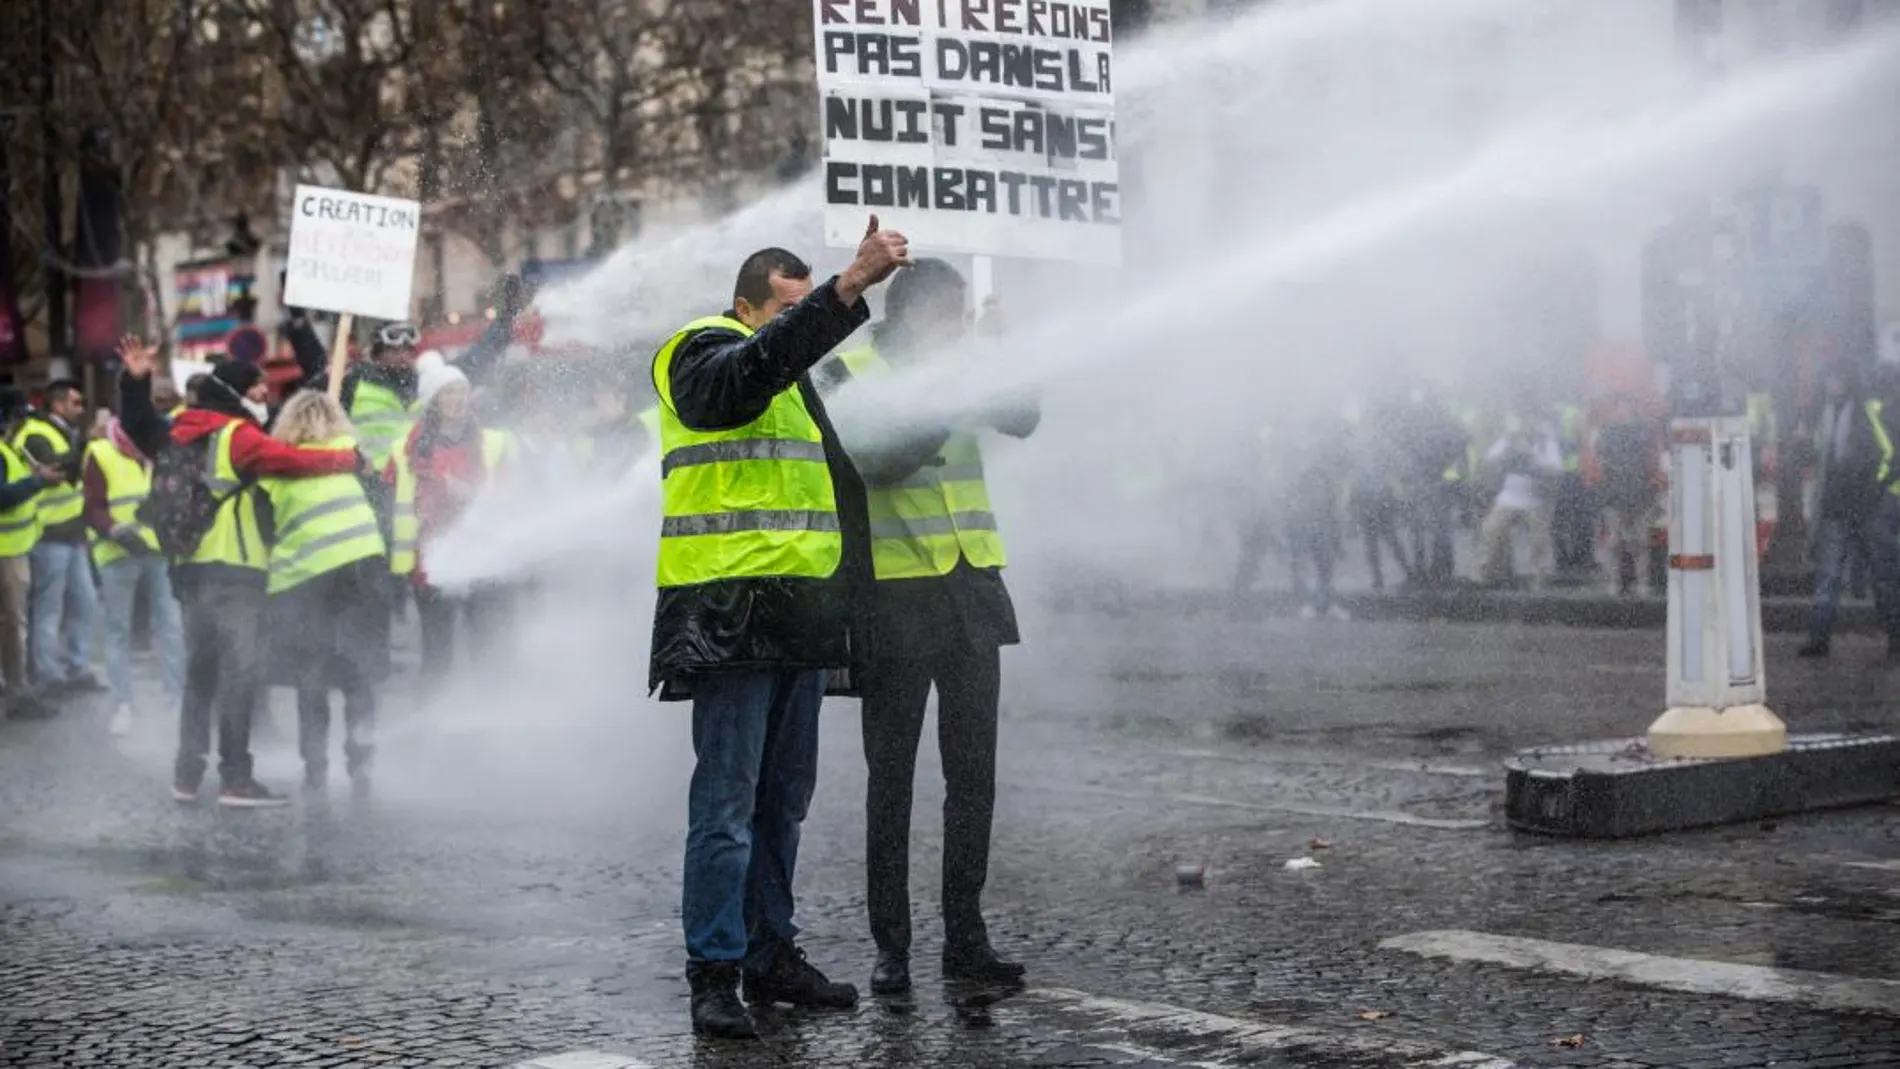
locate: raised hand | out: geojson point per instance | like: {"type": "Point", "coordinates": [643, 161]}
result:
{"type": "Point", "coordinates": [137, 357]}
{"type": "Point", "coordinates": [880, 255]}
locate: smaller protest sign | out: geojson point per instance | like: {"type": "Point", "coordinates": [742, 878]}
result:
{"type": "Point", "coordinates": [183, 371]}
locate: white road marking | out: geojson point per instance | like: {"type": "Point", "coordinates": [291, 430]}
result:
{"type": "Point", "coordinates": [1381, 815]}
{"type": "Point", "coordinates": [1816, 990]}
{"type": "Point", "coordinates": [1879, 866]}
{"type": "Point", "coordinates": [1380, 764]}
{"type": "Point", "coordinates": [1187, 1037]}
{"type": "Point", "coordinates": [583, 1059]}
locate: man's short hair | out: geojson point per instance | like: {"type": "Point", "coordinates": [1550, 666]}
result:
{"type": "Point", "coordinates": [754, 285]}
{"type": "Point", "coordinates": [59, 388]}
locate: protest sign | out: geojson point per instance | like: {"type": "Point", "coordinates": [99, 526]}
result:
{"type": "Point", "coordinates": [974, 126]}
{"type": "Point", "coordinates": [351, 252]}
{"type": "Point", "coordinates": [183, 371]}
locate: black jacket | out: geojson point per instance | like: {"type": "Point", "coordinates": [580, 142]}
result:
{"type": "Point", "coordinates": [720, 379]}
{"type": "Point", "coordinates": [970, 608]}
{"type": "Point", "coordinates": [1850, 478]}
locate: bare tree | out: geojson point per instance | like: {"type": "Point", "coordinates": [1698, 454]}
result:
{"type": "Point", "coordinates": [675, 91]}
{"type": "Point", "coordinates": [345, 75]}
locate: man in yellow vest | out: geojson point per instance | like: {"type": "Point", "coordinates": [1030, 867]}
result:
{"type": "Point", "coordinates": [764, 548]}
{"type": "Point", "coordinates": [63, 596]}
{"type": "Point", "coordinates": [940, 615]}
{"type": "Point", "coordinates": [1858, 513]}
{"type": "Point", "coordinates": [117, 479]}
{"type": "Point", "coordinates": [19, 532]}
{"type": "Point", "coordinates": [221, 584]}
{"type": "Point", "coordinates": [380, 393]}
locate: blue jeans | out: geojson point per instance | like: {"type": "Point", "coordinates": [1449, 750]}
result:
{"type": "Point", "coordinates": [1876, 540]}
{"type": "Point", "coordinates": [755, 737]}
{"type": "Point", "coordinates": [119, 583]}
{"type": "Point", "coordinates": [61, 612]}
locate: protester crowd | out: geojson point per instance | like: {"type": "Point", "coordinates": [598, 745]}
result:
{"type": "Point", "coordinates": [1410, 475]}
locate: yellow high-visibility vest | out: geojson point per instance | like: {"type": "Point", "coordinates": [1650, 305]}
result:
{"type": "Point", "coordinates": [1570, 430]}
{"type": "Point", "coordinates": [19, 525]}
{"type": "Point", "coordinates": [382, 420]}
{"type": "Point", "coordinates": [936, 517]}
{"type": "Point", "coordinates": [128, 484]}
{"type": "Point", "coordinates": [406, 528]}
{"type": "Point", "coordinates": [56, 504]}
{"type": "Point", "coordinates": [322, 523]}
{"type": "Point", "coordinates": [748, 502]}
{"type": "Point", "coordinates": [235, 538]}
{"type": "Point", "coordinates": [1761, 418]}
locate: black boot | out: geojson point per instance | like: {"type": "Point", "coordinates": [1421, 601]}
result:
{"type": "Point", "coordinates": [978, 963]}
{"type": "Point", "coordinates": [717, 1010]}
{"type": "Point", "coordinates": [796, 981]}
{"type": "Point", "coordinates": [1816, 647]}
{"type": "Point", "coordinates": [892, 974]}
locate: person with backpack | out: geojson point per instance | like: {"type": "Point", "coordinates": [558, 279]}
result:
{"type": "Point", "coordinates": [213, 524]}
{"type": "Point", "coordinates": [327, 618]}
{"type": "Point", "coordinates": [118, 480]}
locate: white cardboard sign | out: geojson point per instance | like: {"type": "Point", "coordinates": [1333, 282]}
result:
{"type": "Point", "coordinates": [973, 126]}
{"type": "Point", "coordinates": [351, 252]}
{"type": "Point", "coordinates": [184, 371]}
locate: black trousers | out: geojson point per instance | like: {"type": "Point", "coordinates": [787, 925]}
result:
{"type": "Point", "coordinates": [486, 610]}
{"type": "Point", "coordinates": [1434, 513]}
{"type": "Point", "coordinates": [313, 715]}
{"type": "Point", "coordinates": [1379, 513]}
{"type": "Point", "coordinates": [1574, 525]}
{"type": "Point", "coordinates": [968, 682]}
{"type": "Point", "coordinates": [223, 621]}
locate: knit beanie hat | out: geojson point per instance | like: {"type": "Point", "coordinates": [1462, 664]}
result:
{"type": "Point", "coordinates": [433, 374]}
{"type": "Point", "coordinates": [241, 377]}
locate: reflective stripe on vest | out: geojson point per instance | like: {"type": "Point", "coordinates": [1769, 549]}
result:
{"type": "Point", "coordinates": [19, 525]}
{"type": "Point", "coordinates": [56, 504]}
{"type": "Point", "coordinates": [323, 523]}
{"type": "Point", "coordinates": [382, 421]}
{"type": "Point", "coordinates": [235, 539]}
{"type": "Point", "coordinates": [748, 502]}
{"type": "Point", "coordinates": [1875, 420]}
{"type": "Point", "coordinates": [406, 530]}
{"type": "Point", "coordinates": [128, 483]}
{"type": "Point", "coordinates": [936, 517]}
{"type": "Point", "coordinates": [1570, 430]}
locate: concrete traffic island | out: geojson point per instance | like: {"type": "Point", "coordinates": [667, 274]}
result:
{"type": "Point", "coordinates": [1621, 788]}
{"type": "Point", "coordinates": [1718, 754]}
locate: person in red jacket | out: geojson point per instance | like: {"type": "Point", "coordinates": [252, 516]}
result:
{"type": "Point", "coordinates": [223, 600]}
{"type": "Point", "coordinates": [446, 451]}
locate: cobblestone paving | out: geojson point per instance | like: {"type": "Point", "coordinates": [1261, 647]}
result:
{"type": "Point", "coordinates": [513, 891]}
